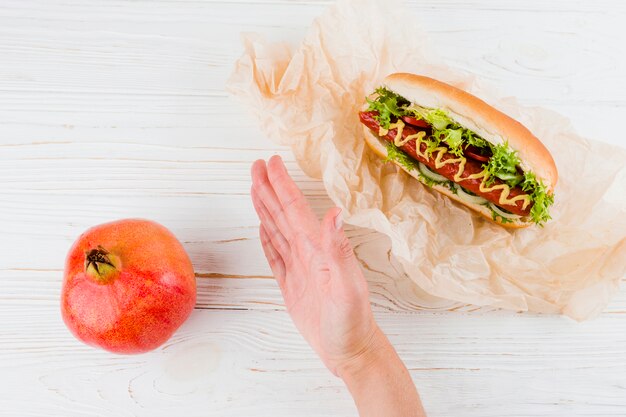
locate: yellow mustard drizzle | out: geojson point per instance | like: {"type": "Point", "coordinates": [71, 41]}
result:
{"type": "Point", "coordinates": [439, 163]}
{"type": "Point", "coordinates": [398, 139]}
{"type": "Point", "coordinates": [418, 137]}
{"type": "Point", "coordinates": [506, 190]}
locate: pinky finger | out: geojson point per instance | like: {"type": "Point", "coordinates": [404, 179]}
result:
{"type": "Point", "coordinates": [273, 257]}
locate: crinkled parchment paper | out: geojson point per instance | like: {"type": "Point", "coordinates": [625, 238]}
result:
{"type": "Point", "coordinates": [308, 97]}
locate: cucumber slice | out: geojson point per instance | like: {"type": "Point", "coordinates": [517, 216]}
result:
{"type": "Point", "coordinates": [430, 174]}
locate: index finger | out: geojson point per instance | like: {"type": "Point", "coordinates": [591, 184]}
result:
{"type": "Point", "coordinates": [262, 187]}
{"type": "Point", "coordinates": [292, 200]}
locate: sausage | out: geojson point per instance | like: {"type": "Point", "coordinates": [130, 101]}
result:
{"type": "Point", "coordinates": [449, 170]}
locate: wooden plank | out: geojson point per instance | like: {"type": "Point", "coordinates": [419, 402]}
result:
{"type": "Point", "coordinates": [542, 49]}
{"type": "Point", "coordinates": [224, 285]}
{"type": "Point", "coordinates": [562, 57]}
{"type": "Point", "coordinates": [253, 363]}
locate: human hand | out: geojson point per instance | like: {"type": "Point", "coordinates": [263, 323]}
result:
{"type": "Point", "coordinates": [319, 276]}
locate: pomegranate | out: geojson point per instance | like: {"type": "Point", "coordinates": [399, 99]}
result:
{"type": "Point", "coordinates": [128, 285]}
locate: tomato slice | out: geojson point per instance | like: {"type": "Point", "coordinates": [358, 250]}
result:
{"type": "Point", "coordinates": [474, 153]}
{"type": "Point", "coordinates": [415, 122]}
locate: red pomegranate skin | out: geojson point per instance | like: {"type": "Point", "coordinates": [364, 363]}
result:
{"type": "Point", "coordinates": [127, 286]}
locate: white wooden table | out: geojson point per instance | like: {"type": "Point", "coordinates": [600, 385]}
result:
{"type": "Point", "coordinates": [117, 108]}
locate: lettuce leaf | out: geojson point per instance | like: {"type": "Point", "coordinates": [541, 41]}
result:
{"type": "Point", "coordinates": [470, 138]}
{"type": "Point", "coordinates": [437, 119]}
{"type": "Point", "coordinates": [387, 104]}
{"type": "Point", "coordinates": [539, 195]}
{"type": "Point", "coordinates": [446, 130]}
{"type": "Point", "coordinates": [503, 164]}
{"type": "Point", "coordinates": [395, 154]}
{"type": "Point", "coordinates": [454, 139]}
{"type": "Point", "coordinates": [432, 143]}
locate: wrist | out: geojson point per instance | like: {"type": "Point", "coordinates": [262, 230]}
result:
{"type": "Point", "coordinates": [375, 353]}
{"type": "Point", "coordinates": [380, 383]}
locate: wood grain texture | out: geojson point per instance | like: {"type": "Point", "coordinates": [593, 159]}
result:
{"type": "Point", "coordinates": [113, 109]}
{"type": "Point", "coordinates": [251, 362]}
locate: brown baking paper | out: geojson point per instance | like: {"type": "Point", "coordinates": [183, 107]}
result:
{"type": "Point", "coordinates": [307, 97]}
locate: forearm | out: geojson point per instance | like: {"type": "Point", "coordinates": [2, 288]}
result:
{"type": "Point", "coordinates": [380, 383]}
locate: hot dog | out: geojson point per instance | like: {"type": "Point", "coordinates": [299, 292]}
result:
{"type": "Point", "coordinates": [471, 167]}
{"type": "Point", "coordinates": [462, 147]}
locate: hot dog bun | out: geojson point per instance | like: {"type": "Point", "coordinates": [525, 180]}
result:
{"type": "Point", "coordinates": [474, 114]}
{"type": "Point", "coordinates": [380, 148]}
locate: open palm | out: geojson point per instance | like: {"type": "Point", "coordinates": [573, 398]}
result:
{"type": "Point", "coordinates": [319, 276]}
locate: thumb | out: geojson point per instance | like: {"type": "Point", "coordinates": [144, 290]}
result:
{"type": "Point", "coordinates": [334, 241]}
{"type": "Point", "coordinates": [343, 265]}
